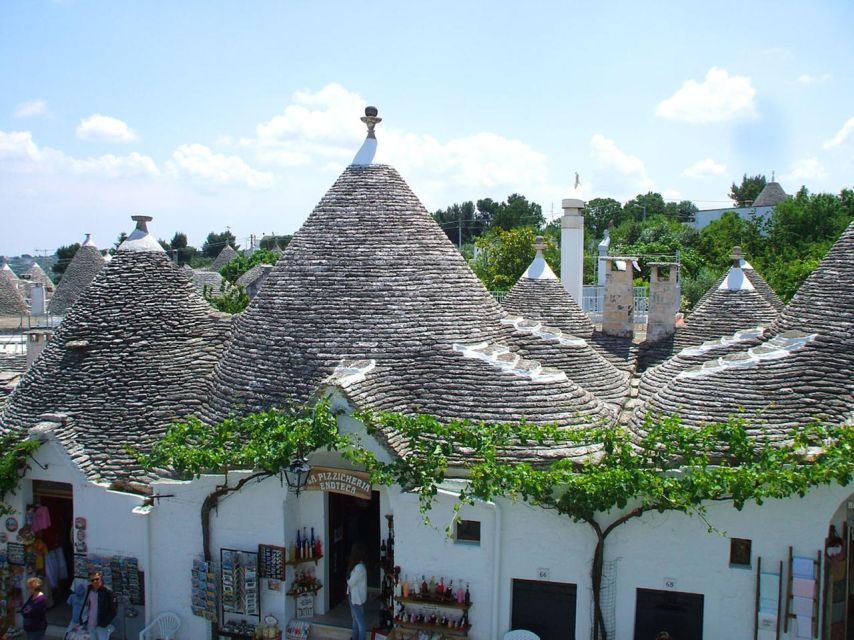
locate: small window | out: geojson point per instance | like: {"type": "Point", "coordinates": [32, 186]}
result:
{"type": "Point", "coordinates": [739, 552]}
{"type": "Point", "coordinates": [468, 531]}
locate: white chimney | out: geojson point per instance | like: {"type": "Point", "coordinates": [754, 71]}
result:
{"type": "Point", "coordinates": [572, 248]}
{"type": "Point", "coordinates": [37, 299]}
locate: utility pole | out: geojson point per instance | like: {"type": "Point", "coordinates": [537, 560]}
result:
{"type": "Point", "coordinates": [460, 231]}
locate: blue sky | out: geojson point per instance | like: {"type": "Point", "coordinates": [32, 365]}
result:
{"type": "Point", "coordinates": [209, 115]}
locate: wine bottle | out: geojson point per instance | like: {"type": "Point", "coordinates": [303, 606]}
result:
{"type": "Point", "coordinates": [383, 552]}
{"type": "Point", "coordinates": [440, 589]}
{"type": "Point", "coordinates": [299, 546]}
{"type": "Point", "coordinates": [424, 588]}
{"type": "Point", "coordinates": [461, 594]}
{"type": "Point", "coordinates": [405, 587]}
{"type": "Point", "coordinates": [433, 586]}
{"type": "Point", "coordinates": [468, 595]}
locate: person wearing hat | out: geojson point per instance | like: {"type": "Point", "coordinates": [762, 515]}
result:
{"type": "Point", "coordinates": [99, 608]}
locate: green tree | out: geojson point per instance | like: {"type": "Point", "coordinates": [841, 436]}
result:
{"type": "Point", "coordinates": [64, 255]}
{"type": "Point", "coordinates": [215, 242]}
{"type": "Point", "coordinates": [717, 239]}
{"type": "Point", "coordinates": [516, 211]}
{"type": "Point", "coordinates": [684, 211]}
{"type": "Point", "coordinates": [504, 256]}
{"type": "Point", "coordinates": [460, 222]}
{"type": "Point", "coordinates": [229, 299]}
{"type": "Point", "coordinates": [643, 206]}
{"type": "Point", "coordinates": [743, 195]}
{"type": "Point", "coordinates": [243, 263]}
{"type": "Point", "coordinates": [599, 215]}
{"type": "Point", "coordinates": [272, 241]}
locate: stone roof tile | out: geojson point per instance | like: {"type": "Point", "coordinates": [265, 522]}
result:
{"type": "Point", "coordinates": [130, 357]}
{"type": "Point", "coordinates": [79, 273]}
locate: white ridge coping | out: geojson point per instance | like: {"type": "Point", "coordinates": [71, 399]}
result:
{"type": "Point", "coordinates": [539, 269]}
{"type": "Point", "coordinates": [776, 348]}
{"type": "Point", "coordinates": [501, 357]}
{"type": "Point", "coordinates": [365, 154]}
{"type": "Point", "coordinates": [141, 241]}
{"type": "Point", "coordinates": [352, 371]}
{"type": "Point", "coordinates": [725, 341]}
{"type": "Point", "coordinates": [544, 332]}
{"type": "Point", "coordinates": [736, 281]}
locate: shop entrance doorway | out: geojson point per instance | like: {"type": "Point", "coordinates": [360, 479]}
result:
{"type": "Point", "coordinates": [352, 520]}
{"type": "Point", "coordinates": [679, 614]}
{"type": "Point", "coordinates": [55, 554]}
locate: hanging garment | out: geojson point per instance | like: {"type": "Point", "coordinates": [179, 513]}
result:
{"type": "Point", "coordinates": [41, 519]}
{"type": "Point", "coordinates": [55, 567]}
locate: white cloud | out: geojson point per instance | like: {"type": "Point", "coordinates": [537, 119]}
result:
{"type": "Point", "coordinates": [617, 174]}
{"type": "Point", "coordinates": [707, 167]}
{"type": "Point", "coordinates": [31, 109]}
{"type": "Point", "coordinates": [18, 147]}
{"type": "Point", "coordinates": [719, 98]}
{"type": "Point", "coordinates": [200, 161]}
{"type": "Point", "coordinates": [805, 169]}
{"type": "Point", "coordinates": [808, 79]}
{"type": "Point", "coordinates": [19, 153]}
{"type": "Point", "coordinates": [842, 135]}
{"type": "Point", "coordinates": [322, 129]}
{"type": "Point", "coordinates": [105, 129]}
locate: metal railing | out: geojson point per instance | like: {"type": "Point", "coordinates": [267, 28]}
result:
{"type": "Point", "coordinates": [593, 299]}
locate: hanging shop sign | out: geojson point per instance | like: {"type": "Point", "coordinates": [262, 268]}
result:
{"type": "Point", "coordinates": [346, 481]}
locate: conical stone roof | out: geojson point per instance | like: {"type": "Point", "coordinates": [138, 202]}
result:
{"type": "Point", "coordinates": [552, 329]}
{"type": "Point", "coordinates": [731, 306]}
{"type": "Point", "coordinates": [223, 258]}
{"type": "Point", "coordinates": [11, 301]}
{"type": "Point", "coordinates": [801, 371]}
{"type": "Point", "coordinates": [771, 195]}
{"type": "Point", "coordinates": [371, 296]}
{"type": "Point", "coordinates": [759, 283]}
{"type": "Point", "coordinates": [130, 357]}
{"type": "Point", "coordinates": [36, 274]}
{"type": "Point", "coordinates": [82, 269]}
{"type": "Point", "coordinates": [539, 295]}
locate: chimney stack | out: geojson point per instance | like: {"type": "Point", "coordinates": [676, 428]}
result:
{"type": "Point", "coordinates": [572, 248]}
{"type": "Point", "coordinates": [36, 341]}
{"type": "Point", "coordinates": [619, 306]}
{"type": "Point", "coordinates": [664, 297]}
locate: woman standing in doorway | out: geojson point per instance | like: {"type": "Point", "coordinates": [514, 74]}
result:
{"type": "Point", "coordinates": [357, 588]}
{"type": "Point", "coordinates": [34, 611]}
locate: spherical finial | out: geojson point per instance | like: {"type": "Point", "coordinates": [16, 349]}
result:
{"type": "Point", "coordinates": [371, 112]}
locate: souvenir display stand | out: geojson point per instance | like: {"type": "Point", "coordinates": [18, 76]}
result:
{"type": "Point", "coordinates": [769, 598]}
{"type": "Point", "coordinates": [431, 607]}
{"type": "Point", "coordinates": [239, 592]}
{"type": "Point", "coordinates": [802, 595]}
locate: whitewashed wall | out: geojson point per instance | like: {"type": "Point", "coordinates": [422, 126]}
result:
{"type": "Point", "coordinates": [646, 552]}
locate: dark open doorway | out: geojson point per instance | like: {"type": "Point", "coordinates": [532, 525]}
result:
{"type": "Point", "coordinates": [546, 608]}
{"type": "Point", "coordinates": [54, 541]}
{"type": "Point", "coordinates": [680, 614]}
{"type": "Point", "coordinates": [352, 520]}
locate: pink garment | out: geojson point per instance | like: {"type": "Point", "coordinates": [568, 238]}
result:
{"type": "Point", "coordinates": [41, 519]}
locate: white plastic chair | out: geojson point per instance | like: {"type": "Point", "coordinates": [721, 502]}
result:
{"type": "Point", "coordinates": [521, 634]}
{"type": "Point", "coordinates": [163, 627]}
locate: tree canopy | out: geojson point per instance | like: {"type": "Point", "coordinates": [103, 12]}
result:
{"type": "Point", "coordinates": [215, 242]}
{"type": "Point", "coordinates": [64, 255]}
{"type": "Point", "coordinates": [745, 193]}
